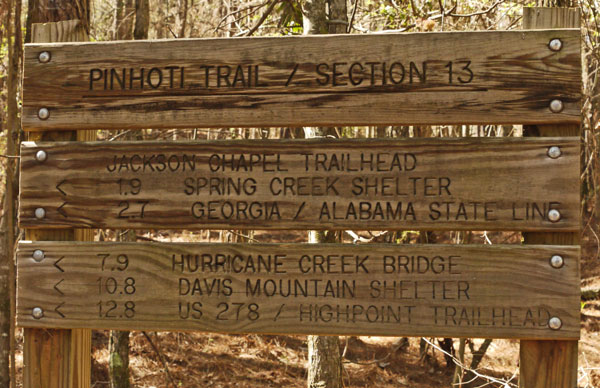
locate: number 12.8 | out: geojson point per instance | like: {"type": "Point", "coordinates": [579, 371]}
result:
{"type": "Point", "coordinates": [111, 309]}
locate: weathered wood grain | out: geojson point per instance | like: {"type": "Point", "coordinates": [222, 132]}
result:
{"type": "Point", "coordinates": [544, 364]}
{"type": "Point", "coordinates": [504, 291]}
{"type": "Point", "coordinates": [58, 358]}
{"type": "Point", "coordinates": [420, 78]}
{"type": "Point", "coordinates": [487, 184]}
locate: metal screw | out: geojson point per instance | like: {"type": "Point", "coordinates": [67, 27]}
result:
{"type": "Point", "coordinates": [554, 323]}
{"type": "Point", "coordinates": [40, 213]}
{"type": "Point", "coordinates": [44, 57]}
{"type": "Point", "coordinates": [554, 152]}
{"type": "Point", "coordinates": [557, 261]}
{"type": "Point", "coordinates": [37, 313]}
{"type": "Point", "coordinates": [44, 113]}
{"type": "Point", "coordinates": [555, 44]}
{"type": "Point", "coordinates": [554, 215]}
{"type": "Point", "coordinates": [41, 155]}
{"type": "Point", "coordinates": [556, 106]}
{"type": "Point", "coordinates": [38, 255]}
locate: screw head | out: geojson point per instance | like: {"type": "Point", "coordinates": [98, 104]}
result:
{"type": "Point", "coordinates": [37, 312]}
{"type": "Point", "coordinates": [555, 44]}
{"type": "Point", "coordinates": [556, 106]}
{"type": "Point", "coordinates": [554, 152]}
{"type": "Point", "coordinates": [41, 155]}
{"type": "Point", "coordinates": [554, 323]}
{"type": "Point", "coordinates": [40, 213]}
{"type": "Point", "coordinates": [43, 113]}
{"type": "Point", "coordinates": [44, 57]}
{"type": "Point", "coordinates": [38, 255]}
{"type": "Point", "coordinates": [554, 215]}
{"type": "Point", "coordinates": [557, 261]}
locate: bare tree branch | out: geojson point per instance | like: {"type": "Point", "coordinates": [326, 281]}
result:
{"type": "Point", "coordinates": [264, 17]}
{"type": "Point", "coordinates": [468, 15]}
{"type": "Point", "coordinates": [354, 9]}
{"type": "Point", "coordinates": [252, 7]}
{"type": "Point", "coordinates": [161, 358]}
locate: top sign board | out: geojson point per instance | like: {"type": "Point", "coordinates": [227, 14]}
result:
{"type": "Point", "coordinates": [434, 78]}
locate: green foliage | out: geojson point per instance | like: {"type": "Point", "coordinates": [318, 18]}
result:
{"type": "Point", "coordinates": [290, 17]}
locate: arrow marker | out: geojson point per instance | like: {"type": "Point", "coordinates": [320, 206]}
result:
{"type": "Point", "coordinates": [58, 311]}
{"type": "Point", "coordinates": [61, 211]}
{"type": "Point", "coordinates": [56, 265]}
{"type": "Point", "coordinates": [59, 189]}
{"type": "Point", "coordinates": [56, 287]}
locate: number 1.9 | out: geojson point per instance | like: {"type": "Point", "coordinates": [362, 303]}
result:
{"type": "Point", "coordinates": [129, 186]}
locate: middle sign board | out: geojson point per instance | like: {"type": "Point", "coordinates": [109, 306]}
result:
{"type": "Point", "coordinates": [467, 184]}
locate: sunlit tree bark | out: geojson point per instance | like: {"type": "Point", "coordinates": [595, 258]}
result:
{"type": "Point", "coordinates": [142, 19]}
{"type": "Point", "coordinates": [324, 359]}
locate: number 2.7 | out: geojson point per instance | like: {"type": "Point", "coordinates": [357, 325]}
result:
{"type": "Point", "coordinates": [133, 213]}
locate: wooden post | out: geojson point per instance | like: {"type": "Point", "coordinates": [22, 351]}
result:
{"type": "Point", "coordinates": [58, 358]}
{"type": "Point", "coordinates": [549, 364]}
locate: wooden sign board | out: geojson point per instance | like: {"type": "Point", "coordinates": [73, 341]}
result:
{"type": "Point", "coordinates": [396, 290]}
{"type": "Point", "coordinates": [422, 78]}
{"type": "Point", "coordinates": [431, 184]}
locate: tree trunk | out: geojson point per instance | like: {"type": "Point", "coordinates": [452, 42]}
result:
{"type": "Point", "coordinates": [324, 359]}
{"type": "Point", "coordinates": [142, 19]}
{"type": "Point", "coordinates": [45, 11]}
{"type": "Point", "coordinates": [118, 359]}
{"type": "Point", "coordinates": [457, 379]}
{"type": "Point", "coordinates": [182, 16]}
{"type": "Point", "coordinates": [119, 10]}
{"type": "Point", "coordinates": [5, 332]}
{"type": "Point", "coordinates": [338, 17]}
{"type": "Point", "coordinates": [162, 19]}
{"type": "Point", "coordinates": [8, 225]}
{"type": "Point", "coordinates": [124, 11]}
{"type": "Point", "coordinates": [324, 364]}
{"type": "Point", "coordinates": [315, 17]}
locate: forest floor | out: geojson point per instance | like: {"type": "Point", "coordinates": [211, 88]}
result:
{"type": "Point", "coordinates": [198, 360]}
{"type": "Point", "coordinates": [589, 344]}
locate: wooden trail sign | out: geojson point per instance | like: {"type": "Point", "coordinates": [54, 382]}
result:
{"type": "Point", "coordinates": [504, 291]}
{"type": "Point", "coordinates": [486, 184]}
{"type": "Point", "coordinates": [422, 78]}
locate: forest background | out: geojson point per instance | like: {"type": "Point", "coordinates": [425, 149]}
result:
{"type": "Point", "coordinates": [144, 359]}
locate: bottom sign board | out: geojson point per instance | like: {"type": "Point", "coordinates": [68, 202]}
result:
{"type": "Point", "coordinates": [502, 291]}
